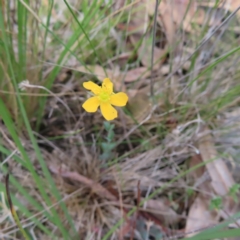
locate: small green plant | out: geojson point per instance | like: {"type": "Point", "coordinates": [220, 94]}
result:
{"type": "Point", "coordinates": [216, 203]}
{"type": "Point", "coordinates": [233, 191]}
{"type": "Point", "coordinates": [189, 192]}
{"type": "Point", "coordinates": [109, 144]}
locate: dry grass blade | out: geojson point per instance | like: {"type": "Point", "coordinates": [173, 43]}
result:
{"type": "Point", "coordinates": [228, 5]}
{"type": "Point", "coordinates": [96, 187]}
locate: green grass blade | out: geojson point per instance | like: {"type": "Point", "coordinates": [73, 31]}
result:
{"type": "Point", "coordinates": [10, 126]}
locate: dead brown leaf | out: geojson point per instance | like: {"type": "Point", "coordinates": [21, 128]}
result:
{"type": "Point", "coordinates": [172, 16]}
{"type": "Point", "coordinates": [138, 25]}
{"type": "Point", "coordinates": [151, 7]}
{"type": "Point", "coordinates": [136, 73]}
{"type": "Point", "coordinates": [145, 54]}
{"type": "Point", "coordinates": [139, 17]}
{"type": "Point", "coordinates": [97, 70]}
{"type": "Point", "coordinates": [199, 216]}
{"type": "Point", "coordinates": [198, 173]}
{"type": "Point", "coordinates": [115, 75]}
{"type": "Point", "coordinates": [221, 177]}
{"type": "Point", "coordinates": [161, 209]}
{"type": "Point", "coordinates": [139, 106]}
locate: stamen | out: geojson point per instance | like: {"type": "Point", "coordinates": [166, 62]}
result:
{"type": "Point", "coordinates": [104, 96]}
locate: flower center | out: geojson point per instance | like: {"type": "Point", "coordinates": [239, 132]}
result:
{"type": "Point", "coordinates": [104, 96]}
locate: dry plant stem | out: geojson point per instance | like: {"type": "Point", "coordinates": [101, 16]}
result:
{"type": "Point", "coordinates": [189, 74]}
{"type": "Point", "coordinates": [6, 138]}
{"type": "Point", "coordinates": [231, 218]}
{"type": "Point", "coordinates": [27, 85]}
{"type": "Point", "coordinates": [96, 187]}
{"type": "Point", "coordinates": [204, 54]}
{"type": "Point", "coordinates": [120, 203]}
{"type": "Point", "coordinates": [137, 211]}
{"type": "Point", "coordinates": [9, 157]}
{"type": "Point", "coordinates": [136, 127]}
{"type": "Point", "coordinates": [202, 43]}
{"type": "Point", "coordinates": [153, 45]}
{"type": "Point", "coordinates": [7, 229]}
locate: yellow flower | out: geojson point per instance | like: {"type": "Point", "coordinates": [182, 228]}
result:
{"type": "Point", "coordinates": [105, 98]}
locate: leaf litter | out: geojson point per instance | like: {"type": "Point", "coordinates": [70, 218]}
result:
{"type": "Point", "coordinates": [156, 142]}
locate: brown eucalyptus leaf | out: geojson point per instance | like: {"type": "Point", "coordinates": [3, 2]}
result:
{"type": "Point", "coordinates": [221, 177]}
{"type": "Point", "coordinates": [139, 106]}
{"type": "Point", "coordinates": [145, 54]}
{"type": "Point", "coordinates": [101, 73]}
{"type": "Point", "coordinates": [199, 216]}
{"type": "Point", "coordinates": [136, 73]}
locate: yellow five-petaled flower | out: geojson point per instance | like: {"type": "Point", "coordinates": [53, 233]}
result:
{"type": "Point", "coordinates": [105, 98]}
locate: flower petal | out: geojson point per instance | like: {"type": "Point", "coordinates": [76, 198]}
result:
{"type": "Point", "coordinates": [91, 105]}
{"type": "Point", "coordinates": [108, 111]}
{"type": "Point", "coordinates": [119, 99]}
{"type": "Point", "coordinates": [92, 87]}
{"type": "Point", "coordinates": [107, 85]}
